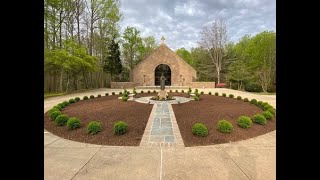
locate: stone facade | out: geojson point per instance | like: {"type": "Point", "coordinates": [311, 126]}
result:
{"type": "Point", "coordinates": [182, 74]}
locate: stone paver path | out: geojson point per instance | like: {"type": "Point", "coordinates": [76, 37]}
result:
{"type": "Point", "coordinates": [253, 159]}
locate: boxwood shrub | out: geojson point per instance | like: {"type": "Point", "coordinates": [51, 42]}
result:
{"type": "Point", "coordinates": [66, 103]}
{"type": "Point", "coordinates": [99, 95]}
{"type": "Point", "coordinates": [107, 94]}
{"type": "Point", "coordinates": [253, 101]}
{"type": "Point", "coordinates": [73, 123]}
{"type": "Point", "coordinates": [93, 127]}
{"type": "Point", "coordinates": [85, 98]}
{"type": "Point", "coordinates": [77, 99]}
{"type": "Point", "coordinates": [244, 122]}
{"type": "Point", "coordinates": [72, 101]}
{"type": "Point", "coordinates": [272, 111]}
{"type": "Point", "coordinates": [267, 115]}
{"type": "Point", "coordinates": [216, 93]}
{"type": "Point", "coordinates": [120, 127]}
{"type": "Point", "coordinates": [61, 120]}
{"type": "Point", "coordinates": [141, 91]}
{"type": "Point", "coordinates": [196, 98]}
{"type": "Point", "coordinates": [154, 91]}
{"type": "Point", "coordinates": [113, 93]}
{"type": "Point", "coordinates": [260, 119]}
{"type": "Point", "coordinates": [177, 90]}
{"type": "Point", "coordinates": [92, 97]}
{"type": "Point", "coordinates": [54, 114]}
{"type": "Point", "coordinates": [200, 129]}
{"type": "Point", "coordinates": [239, 97]}
{"type": "Point", "coordinates": [209, 93]}
{"type": "Point", "coordinates": [245, 99]}
{"type": "Point", "coordinates": [182, 91]}
{"type": "Point", "coordinates": [125, 98]}
{"type": "Point", "coordinates": [224, 94]}
{"type": "Point", "coordinates": [231, 95]}
{"type": "Point", "coordinates": [224, 126]}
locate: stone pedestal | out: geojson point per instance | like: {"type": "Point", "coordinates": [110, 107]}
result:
{"type": "Point", "coordinates": [163, 94]}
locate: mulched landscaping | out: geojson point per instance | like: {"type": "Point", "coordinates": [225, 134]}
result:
{"type": "Point", "coordinates": [107, 110]}
{"type": "Point", "coordinates": [209, 110]}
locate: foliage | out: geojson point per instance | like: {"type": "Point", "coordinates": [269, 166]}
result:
{"type": "Point", "coordinates": [200, 129]}
{"type": "Point", "coordinates": [154, 91]}
{"type": "Point", "coordinates": [182, 91]}
{"type": "Point", "coordinates": [253, 101]}
{"type": "Point", "coordinates": [107, 94]}
{"type": "Point", "coordinates": [177, 90]}
{"type": "Point", "coordinates": [141, 91]}
{"type": "Point", "coordinates": [131, 44]}
{"type": "Point", "coordinates": [91, 96]}
{"type": "Point", "coordinates": [209, 93]}
{"type": "Point", "coordinates": [113, 63]}
{"type": "Point", "coordinates": [61, 120]}
{"type": "Point", "coordinates": [93, 127]}
{"type": "Point", "coordinates": [77, 99]}
{"type": "Point", "coordinates": [216, 94]}
{"type": "Point", "coordinates": [224, 126]}
{"type": "Point", "coordinates": [149, 91]}
{"type": "Point", "coordinates": [244, 122]}
{"type": "Point", "coordinates": [224, 94]}
{"type": "Point", "coordinates": [202, 92]}
{"type": "Point", "coordinates": [185, 55]}
{"type": "Point", "coordinates": [267, 115]}
{"type": "Point", "coordinates": [196, 98]}
{"type": "Point", "coordinates": [253, 87]}
{"type": "Point", "coordinates": [246, 100]}
{"type": "Point", "coordinates": [260, 119]}
{"type": "Point", "coordinates": [73, 123]}
{"type": "Point", "coordinates": [231, 96]}
{"type": "Point", "coordinates": [113, 93]}
{"type": "Point", "coordinates": [272, 111]}
{"type": "Point", "coordinates": [54, 114]}
{"type": "Point", "coordinates": [85, 97]}
{"type": "Point", "coordinates": [125, 98]}
{"type": "Point", "coordinates": [66, 103]}
{"type": "Point", "coordinates": [99, 95]}
{"type": "Point", "coordinates": [72, 101]}
{"type": "Point", "coordinates": [239, 97]}
{"type": "Point", "coordinates": [120, 127]}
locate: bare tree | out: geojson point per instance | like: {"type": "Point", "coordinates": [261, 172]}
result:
{"type": "Point", "coordinates": [214, 41]}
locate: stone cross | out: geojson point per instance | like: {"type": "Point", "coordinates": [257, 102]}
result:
{"type": "Point", "coordinates": [163, 39]}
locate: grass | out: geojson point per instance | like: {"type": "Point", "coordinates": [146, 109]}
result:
{"type": "Point", "coordinates": [53, 94]}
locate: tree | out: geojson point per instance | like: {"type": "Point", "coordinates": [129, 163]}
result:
{"type": "Point", "coordinates": [148, 45]}
{"type": "Point", "coordinates": [238, 72]}
{"type": "Point", "coordinates": [113, 63]}
{"type": "Point", "coordinates": [131, 44]}
{"type": "Point", "coordinates": [202, 64]}
{"type": "Point", "coordinates": [214, 40]}
{"type": "Point", "coordinates": [186, 56]}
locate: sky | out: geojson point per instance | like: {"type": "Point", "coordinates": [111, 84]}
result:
{"type": "Point", "coordinates": [181, 21]}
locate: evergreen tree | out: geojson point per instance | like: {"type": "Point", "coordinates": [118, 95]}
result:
{"type": "Point", "coordinates": [113, 63]}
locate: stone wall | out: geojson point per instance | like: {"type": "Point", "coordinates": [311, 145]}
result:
{"type": "Point", "coordinates": [181, 72]}
{"type": "Point", "coordinates": [202, 84]}
{"type": "Point", "coordinates": [121, 85]}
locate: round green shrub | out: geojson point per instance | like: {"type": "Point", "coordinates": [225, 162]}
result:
{"type": "Point", "coordinates": [231, 95]}
{"type": "Point", "coordinates": [99, 95]}
{"type": "Point", "coordinates": [199, 129]}
{"type": "Point", "coordinates": [72, 101]}
{"type": "Point", "coordinates": [66, 103]}
{"type": "Point", "coordinates": [93, 127]}
{"type": "Point", "coordinates": [92, 97]}
{"type": "Point", "coordinates": [154, 91]}
{"type": "Point", "coordinates": [224, 94]}
{"type": "Point", "coordinates": [246, 100]}
{"type": "Point", "coordinates": [216, 94]}
{"type": "Point", "coordinates": [182, 91]}
{"type": "Point", "coordinates": [141, 91]}
{"type": "Point", "coordinates": [54, 114]}
{"type": "Point", "coordinates": [61, 120]}
{"type": "Point", "coordinates": [253, 87]}
{"type": "Point", "coordinates": [253, 101]}
{"type": "Point", "coordinates": [113, 93]}
{"type": "Point", "coordinates": [272, 111]}
{"type": "Point", "coordinates": [170, 90]}
{"type": "Point", "coordinates": [57, 107]}
{"type": "Point", "coordinates": [177, 91]}
{"type": "Point", "coordinates": [225, 126]}
{"type": "Point", "coordinates": [149, 92]}
{"type": "Point", "coordinates": [209, 93]}
{"type": "Point", "coordinates": [259, 103]}
{"type": "Point", "coordinates": [244, 122]}
{"type": "Point", "coordinates": [120, 127]}
{"type": "Point", "coordinates": [107, 94]}
{"type": "Point", "coordinates": [77, 99]}
{"type": "Point", "coordinates": [196, 91]}
{"type": "Point", "coordinates": [73, 123]}
{"type": "Point", "coordinates": [125, 98]}
{"type": "Point", "coordinates": [196, 98]}
{"type": "Point", "coordinates": [239, 97]}
{"type": "Point", "coordinates": [260, 119]}
{"type": "Point", "coordinates": [202, 92]}
{"type": "Point", "coordinates": [267, 115]}
{"type": "Point", "coordinates": [120, 93]}
{"type": "Point", "coordinates": [61, 105]}
{"type": "Point", "coordinates": [85, 98]}
{"type": "Point", "coordinates": [267, 106]}
{"type": "Point", "coordinates": [52, 110]}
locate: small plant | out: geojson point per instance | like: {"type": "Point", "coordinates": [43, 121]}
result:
{"type": "Point", "coordinates": [57, 107]}
{"type": "Point", "coordinates": [93, 127]}
{"type": "Point", "coordinates": [149, 92]}
{"type": "Point", "coordinates": [73, 123]}
{"type": "Point", "coordinates": [154, 91]}
{"type": "Point", "coordinates": [61, 120]}
{"type": "Point", "coordinates": [54, 114]}
{"type": "Point", "coordinates": [216, 94]}
{"type": "Point", "coordinates": [99, 95]}
{"type": "Point", "coordinates": [177, 90]}
{"type": "Point", "coordinates": [267, 115]}
{"type": "Point", "coordinates": [244, 122]}
{"type": "Point", "coordinates": [260, 119]}
{"type": "Point", "coordinates": [246, 100]}
{"type": "Point", "coordinates": [200, 129]}
{"type": "Point", "coordinates": [66, 103]}
{"type": "Point", "coordinates": [52, 110]}
{"type": "Point", "coordinates": [239, 97]}
{"type": "Point", "coordinates": [141, 91]}
{"type": "Point", "coordinates": [202, 92]}
{"type": "Point", "coordinates": [253, 101]}
{"type": "Point", "coordinates": [77, 99]}
{"type": "Point", "coordinates": [189, 90]}
{"type": "Point", "coordinates": [120, 127]}
{"type": "Point", "coordinates": [182, 91]}
{"type": "Point", "coordinates": [72, 101]}
{"type": "Point", "coordinates": [196, 91]}
{"type": "Point", "coordinates": [224, 94]}
{"type": "Point", "coordinates": [231, 95]}
{"type": "Point", "coordinates": [267, 106]}
{"type": "Point", "coordinates": [61, 105]}
{"type": "Point", "coordinates": [125, 98]}
{"type": "Point", "coordinates": [107, 94]}
{"type": "Point", "coordinates": [259, 103]}
{"type": "Point", "coordinates": [92, 97]}
{"type": "Point", "coordinates": [272, 111]}
{"type": "Point", "coordinates": [134, 91]}
{"type": "Point", "coordinates": [170, 90]}
{"type": "Point", "coordinates": [85, 98]}
{"type": "Point", "coordinates": [113, 93]}
{"type": "Point", "coordinates": [196, 98]}
{"type": "Point", "coordinates": [209, 93]}
{"type": "Point", "coordinates": [120, 93]}
{"type": "Point", "coordinates": [225, 126]}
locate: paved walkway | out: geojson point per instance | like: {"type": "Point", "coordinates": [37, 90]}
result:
{"type": "Point", "coordinates": [254, 158]}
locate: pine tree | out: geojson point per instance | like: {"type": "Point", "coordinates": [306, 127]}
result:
{"type": "Point", "coordinates": [113, 63]}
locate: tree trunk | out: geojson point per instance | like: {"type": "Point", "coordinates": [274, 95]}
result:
{"type": "Point", "coordinates": [61, 81]}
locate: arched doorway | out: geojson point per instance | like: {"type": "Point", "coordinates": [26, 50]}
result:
{"type": "Point", "coordinates": [165, 69]}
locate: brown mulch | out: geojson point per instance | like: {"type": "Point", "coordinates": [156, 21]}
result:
{"type": "Point", "coordinates": [107, 110]}
{"type": "Point", "coordinates": [209, 110]}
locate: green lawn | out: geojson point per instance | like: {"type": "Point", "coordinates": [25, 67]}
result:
{"type": "Point", "coordinates": [46, 94]}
